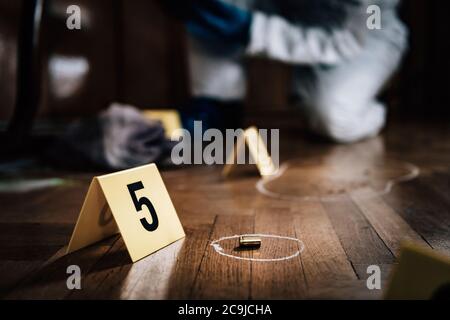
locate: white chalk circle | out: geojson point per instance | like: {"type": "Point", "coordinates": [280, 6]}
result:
{"type": "Point", "coordinates": [409, 172]}
{"type": "Point", "coordinates": [219, 249]}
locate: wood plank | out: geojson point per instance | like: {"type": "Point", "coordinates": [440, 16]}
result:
{"type": "Point", "coordinates": [27, 252]}
{"type": "Point", "coordinates": [425, 211]}
{"type": "Point", "coordinates": [323, 258]}
{"type": "Point", "coordinates": [170, 272]}
{"type": "Point", "coordinates": [15, 272]}
{"type": "Point", "coordinates": [53, 205]}
{"type": "Point", "coordinates": [221, 277]}
{"type": "Point", "coordinates": [361, 243]}
{"type": "Point", "coordinates": [147, 278]}
{"type": "Point", "coordinates": [32, 241]}
{"type": "Point", "coordinates": [188, 263]}
{"type": "Point", "coordinates": [116, 277]}
{"type": "Point", "coordinates": [391, 228]}
{"type": "Point", "coordinates": [361, 270]}
{"type": "Point", "coordinates": [40, 268]}
{"type": "Point", "coordinates": [345, 290]}
{"type": "Point", "coordinates": [283, 279]}
{"type": "Point", "coordinates": [439, 182]}
{"type": "Point", "coordinates": [49, 282]}
{"type": "Point", "coordinates": [106, 277]}
{"type": "Point", "coordinates": [22, 234]}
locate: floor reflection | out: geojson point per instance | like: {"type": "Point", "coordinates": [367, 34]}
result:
{"type": "Point", "coordinates": [335, 171]}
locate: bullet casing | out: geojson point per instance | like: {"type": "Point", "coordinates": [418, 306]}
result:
{"type": "Point", "coordinates": [250, 241]}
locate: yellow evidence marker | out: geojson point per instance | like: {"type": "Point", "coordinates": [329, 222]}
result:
{"type": "Point", "coordinates": [258, 152]}
{"type": "Point", "coordinates": [134, 203]}
{"type": "Point", "coordinates": [169, 118]}
{"type": "Point", "coordinates": [421, 274]}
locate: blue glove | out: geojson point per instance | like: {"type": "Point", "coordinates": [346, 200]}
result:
{"type": "Point", "coordinates": [220, 25]}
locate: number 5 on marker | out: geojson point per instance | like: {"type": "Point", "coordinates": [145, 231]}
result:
{"type": "Point", "coordinates": [143, 201]}
{"type": "Point", "coordinates": [125, 195]}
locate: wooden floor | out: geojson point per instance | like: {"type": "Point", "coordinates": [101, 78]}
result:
{"type": "Point", "coordinates": [332, 198]}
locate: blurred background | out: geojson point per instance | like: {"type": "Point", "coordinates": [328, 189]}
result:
{"type": "Point", "coordinates": [133, 52]}
{"type": "Point", "coordinates": [58, 130]}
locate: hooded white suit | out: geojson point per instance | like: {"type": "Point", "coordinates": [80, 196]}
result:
{"type": "Point", "coordinates": [347, 64]}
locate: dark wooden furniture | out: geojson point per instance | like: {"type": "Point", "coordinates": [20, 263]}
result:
{"type": "Point", "coordinates": [28, 71]}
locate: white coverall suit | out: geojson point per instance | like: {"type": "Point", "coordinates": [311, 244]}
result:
{"type": "Point", "coordinates": [349, 64]}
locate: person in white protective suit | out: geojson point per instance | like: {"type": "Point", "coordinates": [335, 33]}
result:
{"type": "Point", "coordinates": [340, 64]}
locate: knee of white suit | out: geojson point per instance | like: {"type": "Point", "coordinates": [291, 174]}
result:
{"type": "Point", "coordinates": [347, 123]}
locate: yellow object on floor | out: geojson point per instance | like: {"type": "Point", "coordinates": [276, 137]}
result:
{"type": "Point", "coordinates": [252, 141]}
{"type": "Point", "coordinates": [134, 202]}
{"type": "Point", "coordinates": [421, 274]}
{"type": "Point", "coordinates": [169, 118]}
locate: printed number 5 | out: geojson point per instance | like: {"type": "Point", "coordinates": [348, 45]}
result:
{"type": "Point", "coordinates": [143, 201]}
